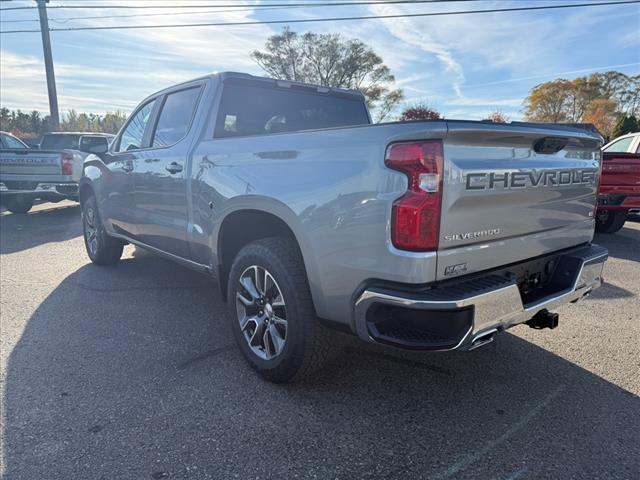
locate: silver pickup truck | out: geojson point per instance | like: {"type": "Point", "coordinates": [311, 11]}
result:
{"type": "Point", "coordinates": [429, 235]}
{"type": "Point", "coordinates": [51, 172]}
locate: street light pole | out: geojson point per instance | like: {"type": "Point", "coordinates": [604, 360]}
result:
{"type": "Point", "coordinates": [48, 64]}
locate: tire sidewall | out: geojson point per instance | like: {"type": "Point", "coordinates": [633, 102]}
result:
{"type": "Point", "coordinates": [291, 357]}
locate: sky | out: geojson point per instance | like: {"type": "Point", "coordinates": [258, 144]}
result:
{"type": "Point", "coordinates": [463, 65]}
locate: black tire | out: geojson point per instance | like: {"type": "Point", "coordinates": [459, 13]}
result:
{"type": "Point", "coordinates": [101, 248]}
{"type": "Point", "coordinates": [610, 222]}
{"type": "Point", "coordinates": [307, 343]}
{"type": "Point", "coordinates": [17, 203]}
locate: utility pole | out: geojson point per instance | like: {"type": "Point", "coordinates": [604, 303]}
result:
{"type": "Point", "coordinates": [48, 64]}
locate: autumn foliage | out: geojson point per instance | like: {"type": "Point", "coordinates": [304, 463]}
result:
{"type": "Point", "coordinates": [601, 99]}
{"type": "Point", "coordinates": [420, 112]}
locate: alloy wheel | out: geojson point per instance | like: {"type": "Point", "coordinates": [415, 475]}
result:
{"type": "Point", "coordinates": [262, 312]}
{"type": "Point", "coordinates": [90, 229]}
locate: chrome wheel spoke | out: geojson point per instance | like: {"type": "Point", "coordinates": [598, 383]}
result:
{"type": "Point", "coordinates": [277, 301]}
{"type": "Point", "coordinates": [250, 287]}
{"type": "Point", "coordinates": [279, 321]}
{"type": "Point", "coordinates": [257, 335]}
{"type": "Point", "coordinates": [276, 338]}
{"type": "Point", "coordinates": [269, 349]}
{"type": "Point", "coordinates": [244, 300]}
{"type": "Point", "coordinates": [248, 322]}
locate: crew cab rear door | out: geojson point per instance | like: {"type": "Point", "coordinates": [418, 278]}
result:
{"type": "Point", "coordinates": [513, 192]}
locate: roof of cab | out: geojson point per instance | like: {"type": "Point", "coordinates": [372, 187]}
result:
{"type": "Point", "coordinates": [271, 81]}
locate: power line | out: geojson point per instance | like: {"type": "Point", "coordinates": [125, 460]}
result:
{"type": "Point", "coordinates": [337, 3]}
{"type": "Point", "coordinates": [334, 19]}
{"type": "Point", "coordinates": [252, 5]}
{"type": "Point", "coordinates": [135, 15]}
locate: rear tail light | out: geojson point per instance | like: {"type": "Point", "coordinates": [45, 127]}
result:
{"type": "Point", "coordinates": [415, 218]}
{"type": "Point", "coordinates": [67, 163]}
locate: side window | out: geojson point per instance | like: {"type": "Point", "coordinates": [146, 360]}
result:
{"type": "Point", "coordinates": [11, 142]}
{"type": "Point", "coordinates": [133, 133]}
{"type": "Point", "coordinates": [175, 117]}
{"type": "Point", "coordinates": [621, 146]}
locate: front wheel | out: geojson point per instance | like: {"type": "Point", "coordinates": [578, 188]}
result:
{"type": "Point", "coordinates": [610, 221]}
{"type": "Point", "coordinates": [18, 203]}
{"type": "Point", "coordinates": [271, 311]}
{"type": "Point", "coordinates": [101, 248]}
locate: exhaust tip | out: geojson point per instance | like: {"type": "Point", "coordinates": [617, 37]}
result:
{"type": "Point", "coordinates": [483, 339]}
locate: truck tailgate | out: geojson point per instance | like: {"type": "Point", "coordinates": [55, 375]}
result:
{"type": "Point", "coordinates": [622, 171]}
{"type": "Point", "coordinates": [512, 192]}
{"type": "Point", "coordinates": [30, 162]}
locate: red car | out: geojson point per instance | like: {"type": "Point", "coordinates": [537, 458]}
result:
{"type": "Point", "coordinates": [620, 183]}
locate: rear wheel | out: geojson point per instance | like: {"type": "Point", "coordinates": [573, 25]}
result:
{"type": "Point", "coordinates": [610, 221]}
{"type": "Point", "coordinates": [18, 203]}
{"type": "Point", "coordinates": [101, 248]}
{"type": "Point", "coordinates": [271, 311]}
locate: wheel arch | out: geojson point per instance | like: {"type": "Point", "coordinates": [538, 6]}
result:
{"type": "Point", "coordinates": [242, 226]}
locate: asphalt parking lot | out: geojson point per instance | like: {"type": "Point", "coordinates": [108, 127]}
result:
{"type": "Point", "coordinates": [131, 372]}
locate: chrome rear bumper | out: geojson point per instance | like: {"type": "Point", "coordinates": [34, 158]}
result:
{"type": "Point", "coordinates": [479, 307]}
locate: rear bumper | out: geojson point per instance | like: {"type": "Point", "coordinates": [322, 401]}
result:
{"type": "Point", "coordinates": [44, 190]}
{"type": "Point", "coordinates": [467, 313]}
{"type": "Point", "coordinates": [619, 201]}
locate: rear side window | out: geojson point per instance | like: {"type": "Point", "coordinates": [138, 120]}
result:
{"type": "Point", "coordinates": [10, 142]}
{"type": "Point", "coordinates": [175, 117]}
{"type": "Point", "coordinates": [59, 142]}
{"type": "Point", "coordinates": [133, 133]}
{"type": "Point", "coordinates": [621, 146]}
{"type": "Point", "coordinates": [251, 110]}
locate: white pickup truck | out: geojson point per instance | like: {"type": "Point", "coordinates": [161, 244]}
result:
{"type": "Point", "coordinates": [50, 172]}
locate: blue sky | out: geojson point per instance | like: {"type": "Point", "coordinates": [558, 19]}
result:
{"type": "Point", "coordinates": [465, 66]}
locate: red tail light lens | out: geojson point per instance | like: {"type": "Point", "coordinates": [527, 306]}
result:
{"type": "Point", "coordinates": [415, 218]}
{"type": "Point", "coordinates": [67, 163]}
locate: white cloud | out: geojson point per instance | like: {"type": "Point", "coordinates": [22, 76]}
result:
{"type": "Point", "coordinates": [407, 31]}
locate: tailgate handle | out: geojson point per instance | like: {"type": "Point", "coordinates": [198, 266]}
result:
{"type": "Point", "coordinates": [549, 145]}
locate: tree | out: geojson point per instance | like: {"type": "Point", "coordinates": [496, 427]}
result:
{"type": "Point", "coordinates": [626, 124]}
{"type": "Point", "coordinates": [548, 102]}
{"type": "Point", "coordinates": [599, 98]}
{"type": "Point", "coordinates": [419, 111]}
{"type": "Point", "coordinates": [602, 114]}
{"type": "Point", "coordinates": [330, 60]}
{"type": "Point", "coordinates": [497, 116]}
{"type": "Point", "coordinates": [35, 124]}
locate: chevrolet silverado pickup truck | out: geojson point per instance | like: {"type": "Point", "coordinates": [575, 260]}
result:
{"type": "Point", "coordinates": [619, 193]}
{"type": "Point", "coordinates": [50, 172]}
{"type": "Point", "coordinates": [427, 235]}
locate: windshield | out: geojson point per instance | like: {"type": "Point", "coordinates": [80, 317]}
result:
{"type": "Point", "coordinates": [59, 142]}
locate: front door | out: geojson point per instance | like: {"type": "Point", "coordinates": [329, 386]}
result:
{"type": "Point", "coordinates": [161, 173]}
{"type": "Point", "coordinates": [118, 208]}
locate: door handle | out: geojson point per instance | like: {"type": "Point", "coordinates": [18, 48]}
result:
{"type": "Point", "coordinates": [174, 167]}
{"type": "Point", "coordinates": [127, 167]}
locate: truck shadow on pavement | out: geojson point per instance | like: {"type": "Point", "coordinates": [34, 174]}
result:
{"type": "Point", "coordinates": [131, 372]}
{"type": "Point", "coordinates": [624, 244]}
{"type": "Point", "coordinates": [40, 226]}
